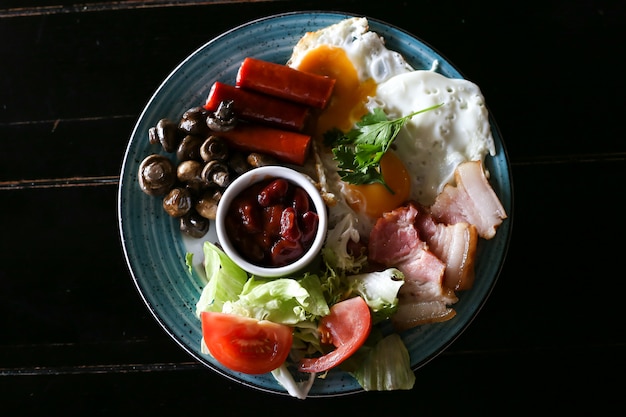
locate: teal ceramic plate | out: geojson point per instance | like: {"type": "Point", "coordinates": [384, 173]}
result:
{"type": "Point", "coordinates": [155, 249]}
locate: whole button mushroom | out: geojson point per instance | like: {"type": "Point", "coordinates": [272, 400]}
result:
{"type": "Point", "coordinates": [206, 205]}
{"type": "Point", "coordinates": [157, 175]}
{"type": "Point", "coordinates": [237, 163]}
{"type": "Point", "coordinates": [189, 171]}
{"type": "Point", "coordinates": [167, 134]}
{"type": "Point", "coordinates": [193, 122]}
{"type": "Point", "coordinates": [194, 225]}
{"type": "Point", "coordinates": [214, 148]}
{"type": "Point", "coordinates": [216, 173]}
{"type": "Point", "coordinates": [256, 160]}
{"type": "Point", "coordinates": [177, 202]}
{"type": "Point", "coordinates": [189, 148]}
{"type": "Point", "coordinates": [223, 119]}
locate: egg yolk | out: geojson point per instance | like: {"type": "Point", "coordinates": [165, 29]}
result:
{"type": "Point", "coordinates": [346, 107]}
{"type": "Point", "coordinates": [347, 103]}
{"type": "Point", "coordinates": [376, 199]}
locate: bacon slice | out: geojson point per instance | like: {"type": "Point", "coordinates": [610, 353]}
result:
{"type": "Point", "coordinates": [395, 241]}
{"type": "Point", "coordinates": [412, 313]}
{"type": "Point", "coordinates": [471, 200]}
{"type": "Point", "coordinates": [454, 244]}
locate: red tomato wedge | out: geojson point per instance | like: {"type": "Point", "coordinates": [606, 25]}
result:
{"type": "Point", "coordinates": [244, 344]}
{"type": "Point", "coordinates": [347, 327]}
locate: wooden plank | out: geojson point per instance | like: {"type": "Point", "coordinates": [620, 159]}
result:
{"type": "Point", "coordinates": [19, 8]}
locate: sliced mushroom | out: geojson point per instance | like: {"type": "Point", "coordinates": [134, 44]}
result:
{"type": "Point", "coordinates": [212, 148]}
{"type": "Point", "coordinates": [206, 205]}
{"type": "Point", "coordinates": [156, 175]}
{"type": "Point", "coordinates": [216, 173]}
{"type": "Point", "coordinates": [194, 225]}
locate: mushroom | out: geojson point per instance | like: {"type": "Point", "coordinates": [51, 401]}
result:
{"type": "Point", "coordinates": [214, 148]}
{"type": "Point", "coordinates": [189, 171]}
{"type": "Point", "coordinates": [189, 148]}
{"type": "Point", "coordinates": [156, 175]}
{"type": "Point", "coordinates": [193, 122]}
{"type": "Point", "coordinates": [256, 160]}
{"type": "Point", "coordinates": [166, 133]}
{"type": "Point", "coordinates": [223, 118]}
{"type": "Point", "coordinates": [216, 173]}
{"type": "Point", "coordinates": [152, 136]}
{"type": "Point", "coordinates": [237, 163]}
{"type": "Point", "coordinates": [194, 225]}
{"type": "Point", "coordinates": [177, 202]}
{"type": "Point", "coordinates": [206, 205]}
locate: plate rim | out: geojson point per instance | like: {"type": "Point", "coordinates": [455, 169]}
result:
{"type": "Point", "coordinates": [158, 316]}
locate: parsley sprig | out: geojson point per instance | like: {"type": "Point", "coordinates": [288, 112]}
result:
{"type": "Point", "coordinates": [359, 151]}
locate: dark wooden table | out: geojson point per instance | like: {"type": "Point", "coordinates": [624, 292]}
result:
{"type": "Point", "coordinates": [74, 333]}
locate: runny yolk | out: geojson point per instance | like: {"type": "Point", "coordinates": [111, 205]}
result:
{"type": "Point", "coordinates": [345, 107]}
{"type": "Point", "coordinates": [375, 199]}
{"type": "Point", "coordinates": [347, 103]}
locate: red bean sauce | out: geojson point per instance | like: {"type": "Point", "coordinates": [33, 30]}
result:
{"type": "Point", "coordinates": [272, 223]}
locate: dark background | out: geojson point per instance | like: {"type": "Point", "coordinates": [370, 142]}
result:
{"type": "Point", "coordinates": [75, 336]}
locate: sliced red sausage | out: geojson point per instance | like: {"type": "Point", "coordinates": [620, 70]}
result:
{"type": "Point", "coordinates": [287, 146]}
{"type": "Point", "coordinates": [285, 82]}
{"type": "Point", "coordinates": [257, 107]}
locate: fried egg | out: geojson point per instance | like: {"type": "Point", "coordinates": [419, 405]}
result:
{"type": "Point", "coordinates": [356, 58]}
{"type": "Point", "coordinates": [359, 61]}
{"type": "Point", "coordinates": [432, 144]}
{"type": "Point", "coordinates": [369, 75]}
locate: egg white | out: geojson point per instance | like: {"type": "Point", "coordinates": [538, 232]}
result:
{"type": "Point", "coordinates": [433, 143]}
{"type": "Point", "coordinates": [365, 49]}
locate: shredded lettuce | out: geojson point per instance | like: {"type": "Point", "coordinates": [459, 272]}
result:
{"type": "Point", "coordinates": [379, 290]}
{"type": "Point", "coordinates": [387, 366]}
{"type": "Point", "coordinates": [335, 251]}
{"type": "Point", "coordinates": [189, 262]}
{"type": "Point", "coordinates": [298, 389]}
{"type": "Point", "coordinates": [306, 340]}
{"type": "Point", "coordinates": [317, 304]}
{"type": "Point", "coordinates": [226, 280]}
{"type": "Point", "coordinates": [282, 300]}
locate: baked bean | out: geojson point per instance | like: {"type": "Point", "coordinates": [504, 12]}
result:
{"type": "Point", "coordinates": [274, 192]}
{"type": "Point", "coordinates": [271, 223]}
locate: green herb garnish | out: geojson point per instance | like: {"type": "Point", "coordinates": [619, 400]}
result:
{"type": "Point", "coordinates": [359, 151]}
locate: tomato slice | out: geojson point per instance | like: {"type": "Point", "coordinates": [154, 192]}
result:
{"type": "Point", "coordinates": [347, 327]}
{"type": "Point", "coordinates": [244, 344]}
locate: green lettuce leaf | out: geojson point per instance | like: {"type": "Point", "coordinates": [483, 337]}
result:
{"type": "Point", "coordinates": [379, 290]}
{"type": "Point", "coordinates": [282, 300]}
{"type": "Point", "coordinates": [387, 366]}
{"type": "Point", "coordinates": [226, 280]}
